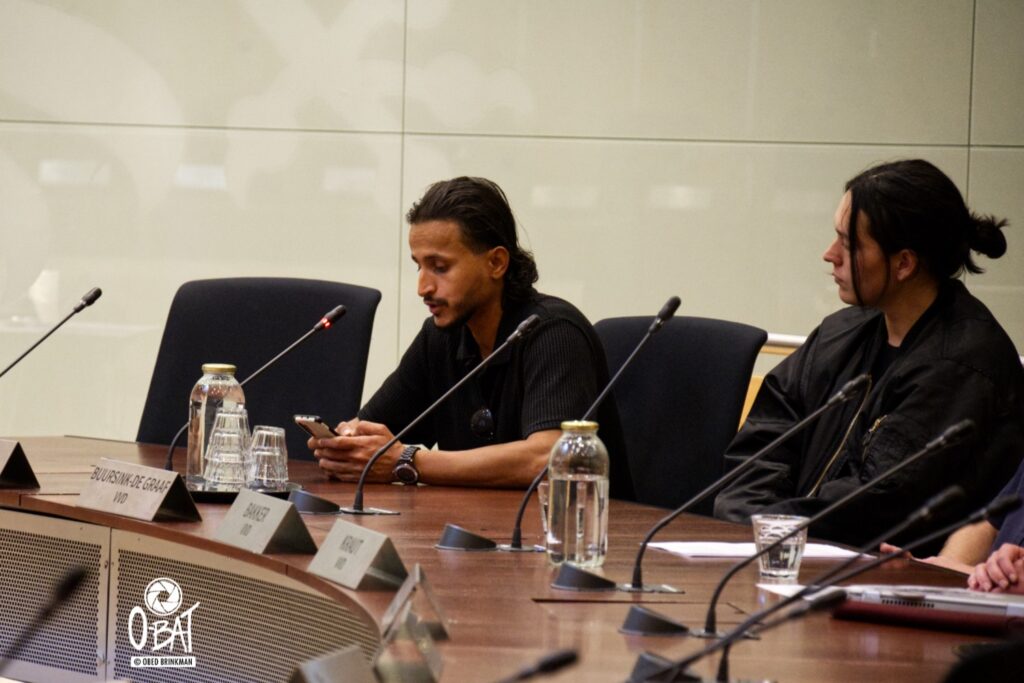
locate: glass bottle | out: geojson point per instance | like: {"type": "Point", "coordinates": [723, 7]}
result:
{"type": "Point", "coordinates": [578, 497]}
{"type": "Point", "coordinates": [216, 389]}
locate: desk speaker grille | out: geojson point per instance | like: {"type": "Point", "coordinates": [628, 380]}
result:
{"type": "Point", "coordinates": [33, 566]}
{"type": "Point", "coordinates": [243, 630]}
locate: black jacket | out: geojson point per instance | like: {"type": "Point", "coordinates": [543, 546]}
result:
{"type": "Point", "coordinates": [955, 363]}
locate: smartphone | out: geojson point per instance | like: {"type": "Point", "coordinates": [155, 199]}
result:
{"type": "Point", "coordinates": [315, 427]}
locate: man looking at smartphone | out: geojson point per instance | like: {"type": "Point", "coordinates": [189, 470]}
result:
{"type": "Point", "coordinates": [477, 283]}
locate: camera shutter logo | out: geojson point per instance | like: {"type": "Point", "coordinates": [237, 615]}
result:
{"type": "Point", "coordinates": [163, 597]}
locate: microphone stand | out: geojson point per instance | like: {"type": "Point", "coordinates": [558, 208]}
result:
{"type": "Point", "coordinates": [572, 578]}
{"type": "Point", "coordinates": [949, 437]}
{"type": "Point", "coordinates": [357, 505]}
{"type": "Point", "coordinates": [87, 300]}
{"type": "Point", "coordinates": [325, 323]}
{"type": "Point", "coordinates": [456, 538]}
{"type": "Point", "coordinates": [68, 585]}
{"type": "Point", "coordinates": [545, 665]}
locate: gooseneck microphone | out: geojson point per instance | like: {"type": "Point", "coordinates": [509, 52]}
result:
{"type": "Point", "coordinates": [664, 315]}
{"type": "Point", "coordinates": [948, 437]}
{"type": "Point", "coordinates": [357, 508]}
{"type": "Point", "coordinates": [65, 589]}
{"type": "Point", "coordinates": [844, 571]}
{"type": "Point", "coordinates": [87, 300]}
{"type": "Point", "coordinates": [545, 665]}
{"type": "Point", "coordinates": [325, 323]}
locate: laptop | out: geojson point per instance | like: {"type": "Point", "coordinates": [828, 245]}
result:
{"type": "Point", "coordinates": [953, 609]}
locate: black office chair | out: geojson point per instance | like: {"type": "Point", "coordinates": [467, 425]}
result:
{"type": "Point", "coordinates": [680, 401]}
{"type": "Point", "coordinates": [248, 321]}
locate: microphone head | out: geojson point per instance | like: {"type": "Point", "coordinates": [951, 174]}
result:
{"type": "Point", "coordinates": [851, 388]}
{"type": "Point", "coordinates": [524, 327]}
{"type": "Point", "coordinates": [1002, 505]}
{"type": "Point", "coordinates": [953, 434]}
{"type": "Point", "coordinates": [556, 661]}
{"type": "Point", "coordinates": [666, 313]}
{"type": "Point", "coordinates": [940, 500]}
{"type": "Point", "coordinates": [90, 297]}
{"type": "Point", "coordinates": [669, 309]}
{"type": "Point", "coordinates": [70, 583]}
{"type": "Point", "coordinates": [331, 316]}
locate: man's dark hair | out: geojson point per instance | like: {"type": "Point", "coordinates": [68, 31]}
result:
{"type": "Point", "coordinates": [911, 204]}
{"type": "Point", "coordinates": [480, 209]}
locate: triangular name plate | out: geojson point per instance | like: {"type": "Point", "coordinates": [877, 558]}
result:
{"type": "Point", "coordinates": [132, 490]}
{"type": "Point", "coordinates": [408, 653]}
{"type": "Point", "coordinates": [358, 558]}
{"type": "Point", "coordinates": [416, 591]}
{"type": "Point", "coordinates": [15, 471]}
{"type": "Point", "coordinates": [343, 666]}
{"type": "Point", "coordinates": [264, 524]}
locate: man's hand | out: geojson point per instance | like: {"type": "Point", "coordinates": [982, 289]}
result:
{"type": "Point", "coordinates": [345, 456]}
{"type": "Point", "coordinates": [1002, 572]}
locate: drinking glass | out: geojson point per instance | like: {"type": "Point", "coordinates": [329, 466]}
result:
{"type": "Point", "coordinates": [782, 563]}
{"type": "Point", "coordinates": [267, 465]}
{"type": "Point", "coordinates": [225, 456]}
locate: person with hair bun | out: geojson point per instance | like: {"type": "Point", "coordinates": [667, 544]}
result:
{"type": "Point", "coordinates": [936, 356]}
{"type": "Point", "coordinates": [477, 282]}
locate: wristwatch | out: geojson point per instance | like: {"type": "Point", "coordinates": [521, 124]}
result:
{"type": "Point", "coordinates": [405, 470]}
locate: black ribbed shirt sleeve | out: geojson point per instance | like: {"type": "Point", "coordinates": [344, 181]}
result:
{"type": "Point", "coordinates": [558, 383]}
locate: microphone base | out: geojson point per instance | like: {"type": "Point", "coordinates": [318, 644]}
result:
{"type": "Point", "coordinates": [648, 663]}
{"type": "Point", "coordinates": [307, 503]}
{"type": "Point", "coordinates": [642, 621]}
{"type": "Point", "coordinates": [506, 548]}
{"type": "Point", "coordinates": [454, 537]}
{"type": "Point", "coordinates": [367, 511]}
{"type": "Point", "coordinates": [649, 588]}
{"type": "Point", "coordinates": [716, 635]}
{"type": "Point", "coordinates": [572, 578]}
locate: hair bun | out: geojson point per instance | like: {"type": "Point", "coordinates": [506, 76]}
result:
{"type": "Point", "coordinates": [986, 236]}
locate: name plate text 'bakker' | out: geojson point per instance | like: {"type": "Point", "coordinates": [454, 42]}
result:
{"type": "Point", "coordinates": [264, 524]}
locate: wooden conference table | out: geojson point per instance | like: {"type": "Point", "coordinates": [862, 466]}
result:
{"type": "Point", "coordinates": [502, 612]}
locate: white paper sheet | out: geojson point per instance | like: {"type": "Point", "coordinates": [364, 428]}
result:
{"type": "Point", "coordinates": [694, 549]}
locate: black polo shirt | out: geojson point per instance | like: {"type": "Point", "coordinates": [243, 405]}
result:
{"type": "Point", "coordinates": [551, 375]}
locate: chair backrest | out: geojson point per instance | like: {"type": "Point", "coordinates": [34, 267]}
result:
{"type": "Point", "coordinates": [680, 400]}
{"type": "Point", "coordinates": [248, 321]}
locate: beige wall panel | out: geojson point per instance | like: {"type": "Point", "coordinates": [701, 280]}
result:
{"type": "Point", "coordinates": [138, 212]}
{"type": "Point", "coordinates": [809, 70]}
{"type": "Point", "coordinates": [997, 179]}
{"type": "Point", "coordinates": [736, 230]}
{"type": "Point", "coordinates": [248, 63]}
{"type": "Point", "coordinates": [147, 142]}
{"type": "Point", "coordinates": [997, 117]}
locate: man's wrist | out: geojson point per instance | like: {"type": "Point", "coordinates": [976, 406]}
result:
{"type": "Point", "coordinates": [405, 471]}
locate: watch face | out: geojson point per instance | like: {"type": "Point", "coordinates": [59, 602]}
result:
{"type": "Point", "coordinates": [406, 473]}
